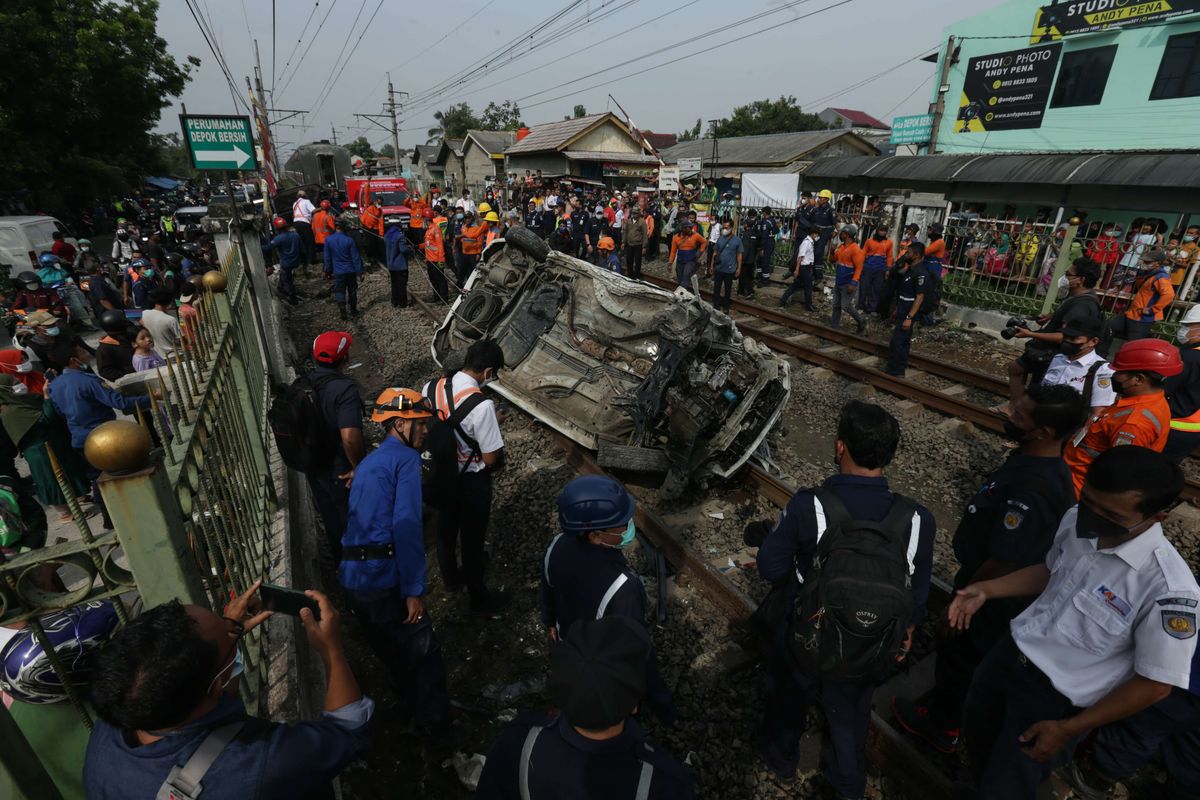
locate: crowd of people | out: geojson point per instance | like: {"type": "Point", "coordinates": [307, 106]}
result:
{"type": "Point", "coordinates": [1070, 641]}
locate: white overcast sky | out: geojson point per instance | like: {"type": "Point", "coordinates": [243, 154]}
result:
{"type": "Point", "coordinates": [819, 58]}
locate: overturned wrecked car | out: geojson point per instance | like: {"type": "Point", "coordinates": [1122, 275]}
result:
{"type": "Point", "coordinates": [653, 381]}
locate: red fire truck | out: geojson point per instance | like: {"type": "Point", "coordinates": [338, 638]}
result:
{"type": "Point", "coordinates": [393, 192]}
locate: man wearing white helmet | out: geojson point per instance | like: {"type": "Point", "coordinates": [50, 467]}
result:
{"type": "Point", "coordinates": [1183, 390]}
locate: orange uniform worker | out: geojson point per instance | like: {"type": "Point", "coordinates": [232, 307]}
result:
{"type": "Point", "coordinates": [1140, 416]}
{"type": "Point", "coordinates": [371, 217]}
{"type": "Point", "coordinates": [1153, 292]}
{"type": "Point", "coordinates": [848, 262]}
{"type": "Point", "coordinates": [324, 222]}
{"type": "Point", "coordinates": [686, 248]}
{"type": "Point", "coordinates": [470, 244]}
{"type": "Point", "coordinates": [878, 254]}
{"type": "Point", "coordinates": [416, 219]}
{"type": "Point", "coordinates": [435, 256]}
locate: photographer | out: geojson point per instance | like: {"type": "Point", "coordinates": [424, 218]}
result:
{"type": "Point", "coordinates": [166, 686]}
{"type": "Point", "coordinates": [1081, 305]}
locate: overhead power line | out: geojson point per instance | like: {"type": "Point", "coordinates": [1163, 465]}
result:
{"type": "Point", "coordinates": [215, 49]}
{"type": "Point", "coordinates": [304, 55]}
{"type": "Point", "coordinates": [349, 57]}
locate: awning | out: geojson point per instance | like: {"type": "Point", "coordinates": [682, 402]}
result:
{"type": "Point", "coordinates": [1124, 180]}
{"type": "Point", "coordinates": [165, 184]}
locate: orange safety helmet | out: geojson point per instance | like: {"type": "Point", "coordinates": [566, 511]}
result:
{"type": "Point", "coordinates": [325, 204]}
{"type": "Point", "coordinates": [427, 213]}
{"type": "Point", "coordinates": [400, 404]}
{"type": "Point", "coordinates": [1149, 355]}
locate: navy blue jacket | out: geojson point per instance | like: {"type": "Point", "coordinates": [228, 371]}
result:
{"type": "Point", "coordinates": [266, 761]}
{"type": "Point", "coordinates": [565, 764]}
{"type": "Point", "coordinates": [576, 576]}
{"type": "Point", "coordinates": [290, 248]}
{"type": "Point", "coordinates": [85, 401]}
{"type": "Point", "coordinates": [385, 508]}
{"type": "Point", "coordinates": [795, 536]}
{"type": "Point", "coordinates": [341, 255]}
{"type": "Point", "coordinates": [396, 249]}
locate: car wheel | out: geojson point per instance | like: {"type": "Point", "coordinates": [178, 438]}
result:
{"type": "Point", "coordinates": [476, 314]}
{"type": "Point", "coordinates": [634, 459]}
{"type": "Point", "coordinates": [527, 242]}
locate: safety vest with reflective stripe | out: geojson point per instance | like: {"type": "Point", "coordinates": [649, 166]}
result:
{"type": "Point", "coordinates": [1190, 424]}
{"type": "Point", "coordinates": [644, 779]}
{"type": "Point", "coordinates": [435, 251]}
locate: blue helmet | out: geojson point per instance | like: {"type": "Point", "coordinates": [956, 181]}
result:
{"type": "Point", "coordinates": [594, 503]}
{"type": "Point", "coordinates": [138, 263]}
{"type": "Point", "coordinates": [49, 260]}
{"type": "Point", "coordinates": [25, 671]}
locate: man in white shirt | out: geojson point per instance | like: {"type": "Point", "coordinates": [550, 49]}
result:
{"type": "Point", "coordinates": [465, 202]}
{"type": "Point", "coordinates": [164, 327]}
{"type": "Point", "coordinates": [302, 216]}
{"type": "Point", "coordinates": [1111, 632]}
{"type": "Point", "coordinates": [803, 271]}
{"type": "Point", "coordinates": [480, 455]}
{"type": "Point", "coordinates": [1079, 366]}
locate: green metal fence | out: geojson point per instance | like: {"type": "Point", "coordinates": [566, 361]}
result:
{"type": "Point", "coordinates": [192, 518]}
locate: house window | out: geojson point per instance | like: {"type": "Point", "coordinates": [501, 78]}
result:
{"type": "Point", "coordinates": [1083, 76]}
{"type": "Point", "coordinates": [1179, 72]}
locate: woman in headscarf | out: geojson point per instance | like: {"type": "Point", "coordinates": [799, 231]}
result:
{"type": "Point", "coordinates": [16, 363]}
{"type": "Point", "coordinates": [31, 422]}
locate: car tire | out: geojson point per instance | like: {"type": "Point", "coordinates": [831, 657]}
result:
{"type": "Point", "coordinates": [476, 313]}
{"type": "Point", "coordinates": [527, 242]}
{"type": "Point", "coordinates": [634, 459]}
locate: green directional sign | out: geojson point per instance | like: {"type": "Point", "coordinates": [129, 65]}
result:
{"type": "Point", "coordinates": [218, 141]}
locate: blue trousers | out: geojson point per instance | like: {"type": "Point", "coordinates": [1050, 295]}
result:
{"type": "Point", "coordinates": [1171, 727]}
{"type": "Point", "coordinates": [287, 282]}
{"type": "Point", "coordinates": [901, 340]}
{"type": "Point", "coordinates": [333, 505]}
{"type": "Point", "coordinates": [869, 288]}
{"type": "Point", "coordinates": [411, 653]}
{"type": "Point", "coordinates": [345, 288]}
{"type": "Point", "coordinates": [1007, 695]}
{"type": "Point", "coordinates": [803, 281]}
{"type": "Point", "coordinates": [843, 299]}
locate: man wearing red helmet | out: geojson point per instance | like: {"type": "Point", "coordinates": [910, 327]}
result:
{"type": "Point", "coordinates": [341, 408]}
{"type": "Point", "coordinates": [323, 224]}
{"type": "Point", "coordinates": [290, 247]}
{"type": "Point", "coordinates": [1141, 415]}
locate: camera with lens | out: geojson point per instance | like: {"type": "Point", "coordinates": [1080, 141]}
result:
{"type": "Point", "coordinates": [1010, 327]}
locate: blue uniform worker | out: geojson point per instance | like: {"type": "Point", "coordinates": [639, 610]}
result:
{"type": "Point", "coordinates": [1112, 630]}
{"type": "Point", "coordinates": [290, 247]}
{"type": "Point", "coordinates": [913, 282]}
{"type": "Point", "coordinates": [594, 749]}
{"type": "Point", "coordinates": [585, 574]}
{"type": "Point", "coordinates": [343, 262]}
{"type": "Point", "coordinates": [866, 441]}
{"type": "Point", "coordinates": [768, 229]}
{"type": "Point", "coordinates": [397, 251]}
{"type": "Point", "coordinates": [751, 241]}
{"type": "Point", "coordinates": [1008, 525]}
{"type": "Point", "coordinates": [822, 217]}
{"type": "Point", "coordinates": [383, 559]}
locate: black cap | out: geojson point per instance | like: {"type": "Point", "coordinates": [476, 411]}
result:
{"type": "Point", "coordinates": [1091, 327]}
{"type": "Point", "coordinates": [598, 671]}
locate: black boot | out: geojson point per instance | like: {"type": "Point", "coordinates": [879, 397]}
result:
{"type": "Point", "coordinates": [342, 311]}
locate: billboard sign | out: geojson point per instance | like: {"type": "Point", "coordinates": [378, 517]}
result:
{"type": "Point", "coordinates": [1088, 16]}
{"type": "Point", "coordinates": [912, 130]}
{"type": "Point", "coordinates": [1007, 91]}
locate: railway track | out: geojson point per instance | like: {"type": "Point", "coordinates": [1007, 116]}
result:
{"type": "Point", "coordinates": [887, 748]}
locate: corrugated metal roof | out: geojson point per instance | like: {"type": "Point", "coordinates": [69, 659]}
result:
{"type": "Point", "coordinates": [553, 135]}
{"type": "Point", "coordinates": [427, 152]}
{"type": "Point", "coordinates": [604, 155]}
{"type": "Point", "coordinates": [456, 145]}
{"type": "Point", "coordinates": [493, 143]}
{"type": "Point", "coordinates": [774, 148]}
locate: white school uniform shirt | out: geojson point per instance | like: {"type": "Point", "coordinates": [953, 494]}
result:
{"type": "Point", "coordinates": [1107, 615]}
{"type": "Point", "coordinates": [1073, 373]}
{"type": "Point", "coordinates": [807, 251]}
{"type": "Point", "coordinates": [481, 424]}
{"type": "Point", "coordinates": [1140, 243]}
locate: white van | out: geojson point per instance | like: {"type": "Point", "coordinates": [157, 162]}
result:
{"type": "Point", "coordinates": [23, 239]}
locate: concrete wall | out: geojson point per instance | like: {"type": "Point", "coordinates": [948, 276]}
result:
{"type": "Point", "coordinates": [1124, 119]}
{"type": "Point", "coordinates": [452, 170]}
{"type": "Point", "coordinates": [478, 166]}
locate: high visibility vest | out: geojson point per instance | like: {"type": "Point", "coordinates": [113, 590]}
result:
{"type": "Point", "coordinates": [417, 219]}
{"type": "Point", "coordinates": [471, 244]}
{"type": "Point", "coordinates": [371, 220]}
{"type": "Point", "coordinates": [492, 234]}
{"type": "Point", "coordinates": [323, 225]}
{"type": "Point", "coordinates": [1189, 424]}
{"type": "Point", "coordinates": [435, 251]}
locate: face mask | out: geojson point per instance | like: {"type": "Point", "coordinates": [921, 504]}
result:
{"type": "Point", "coordinates": [20, 389]}
{"type": "Point", "coordinates": [726, 231]}
{"type": "Point", "coordinates": [52, 331]}
{"type": "Point", "coordinates": [149, 273]}
{"type": "Point", "coordinates": [124, 237]}
{"type": "Point", "coordinates": [1118, 386]}
{"type": "Point", "coordinates": [458, 216]}
{"type": "Point", "coordinates": [86, 249]}
{"type": "Point", "coordinates": [1090, 525]}
{"type": "Point", "coordinates": [1110, 233]}
{"type": "Point", "coordinates": [628, 536]}
{"type": "Point", "coordinates": [1070, 349]}
{"type": "Point", "coordinates": [879, 237]}
{"type": "Point", "coordinates": [1189, 238]}
{"type": "Point", "coordinates": [33, 287]}
{"type": "Point", "coordinates": [1064, 282]}
{"type": "Point", "coordinates": [235, 669]}
{"type": "Point", "coordinates": [1013, 433]}
{"type": "Point", "coordinates": [1183, 335]}
{"type": "Point", "coordinates": [25, 366]}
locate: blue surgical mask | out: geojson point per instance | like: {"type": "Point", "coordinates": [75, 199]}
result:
{"type": "Point", "coordinates": [53, 331]}
{"type": "Point", "coordinates": [458, 216]}
{"type": "Point", "coordinates": [628, 536]}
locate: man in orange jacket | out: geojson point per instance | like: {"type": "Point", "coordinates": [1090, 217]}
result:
{"type": "Point", "coordinates": [416, 220]}
{"type": "Point", "coordinates": [1141, 415]}
{"type": "Point", "coordinates": [848, 262]}
{"type": "Point", "coordinates": [371, 220]}
{"type": "Point", "coordinates": [1152, 293]}
{"type": "Point", "coordinates": [435, 256]}
{"type": "Point", "coordinates": [470, 243]}
{"type": "Point", "coordinates": [878, 254]}
{"type": "Point", "coordinates": [686, 248]}
{"type": "Point", "coordinates": [324, 222]}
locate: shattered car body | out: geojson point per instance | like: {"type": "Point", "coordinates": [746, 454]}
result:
{"type": "Point", "coordinates": [654, 381]}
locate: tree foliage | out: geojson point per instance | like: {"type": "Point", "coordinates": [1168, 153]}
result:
{"type": "Point", "coordinates": [767, 116]}
{"type": "Point", "coordinates": [506, 117]}
{"type": "Point", "coordinates": [84, 85]}
{"type": "Point", "coordinates": [387, 151]}
{"type": "Point", "coordinates": [690, 135]}
{"type": "Point", "coordinates": [453, 123]}
{"type": "Point", "coordinates": [361, 147]}
{"type": "Point", "coordinates": [579, 111]}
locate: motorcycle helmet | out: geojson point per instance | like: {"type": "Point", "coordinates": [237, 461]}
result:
{"type": "Point", "coordinates": [29, 280]}
{"type": "Point", "coordinates": [75, 633]}
{"type": "Point", "coordinates": [49, 260]}
{"type": "Point", "coordinates": [85, 242]}
{"type": "Point", "coordinates": [113, 321]}
{"type": "Point", "coordinates": [175, 259]}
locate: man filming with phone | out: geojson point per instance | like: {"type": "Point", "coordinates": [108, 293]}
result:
{"type": "Point", "coordinates": [171, 722]}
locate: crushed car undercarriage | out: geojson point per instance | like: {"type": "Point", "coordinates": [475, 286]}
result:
{"type": "Point", "coordinates": [653, 381]}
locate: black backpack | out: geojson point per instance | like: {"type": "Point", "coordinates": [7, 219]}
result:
{"type": "Point", "coordinates": [301, 433]}
{"type": "Point", "coordinates": [440, 469]}
{"type": "Point", "coordinates": [853, 610]}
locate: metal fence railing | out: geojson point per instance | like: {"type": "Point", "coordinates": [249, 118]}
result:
{"type": "Point", "coordinates": [193, 523]}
